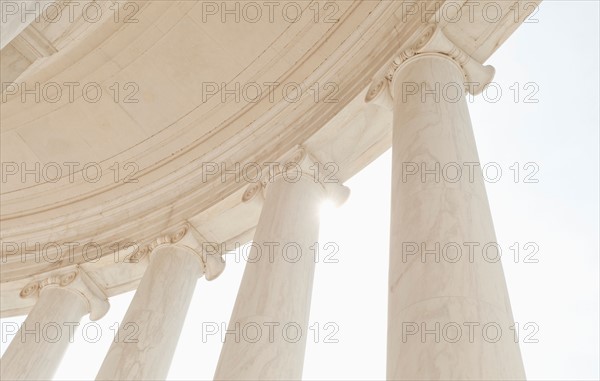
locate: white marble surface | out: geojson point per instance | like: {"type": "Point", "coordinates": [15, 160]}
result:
{"type": "Point", "coordinates": [276, 288]}
{"type": "Point", "coordinates": [425, 291]}
{"type": "Point", "coordinates": [37, 353]}
{"type": "Point", "coordinates": [150, 330]}
{"type": "Point", "coordinates": [170, 132]}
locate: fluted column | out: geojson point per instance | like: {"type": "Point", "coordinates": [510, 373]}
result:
{"type": "Point", "coordinates": [38, 347]}
{"type": "Point", "coordinates": [449, 315]}
{"type": "Point", "coordinates": [148, 335]}
{"type": "Point", "coordinates": [266, 337]}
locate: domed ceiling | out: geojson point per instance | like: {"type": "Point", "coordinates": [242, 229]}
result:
{"type": "Point", "coordinates": [118, 124]}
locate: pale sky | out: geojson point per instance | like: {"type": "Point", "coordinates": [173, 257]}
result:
{"type": "Point", "coordinates": [553, 61]}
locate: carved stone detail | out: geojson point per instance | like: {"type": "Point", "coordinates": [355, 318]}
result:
{"type": "Point", "coordinates": [173, 237]}
{"type": "Point", "coordinates": [253, 190]}
{"type": "Point", "coordinates": [78, 281]}
{"type": "Point", "coordinates": [56, 280]}
{"type": "Point", "coordinates": [431, 40]}
{"type": "Point", "coordinates": [187, 238]}
{"type": "Point", "coordinates": [299, 162]}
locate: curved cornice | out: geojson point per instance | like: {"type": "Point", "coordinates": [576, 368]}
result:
{"type": "Point", "coordinates": [179, 195]}
{"type": "Point", "coordinates": [172, 186]}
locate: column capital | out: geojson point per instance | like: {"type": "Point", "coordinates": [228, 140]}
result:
{"type": "Point", "coordinates": [431, 41]}
{"type": "Point", "coordinates": [170, 237]}
{"type": "Point", "coordinates": [292, 166]}
{"type": "Point", "coordinates": [185, 237]}
{"type": "Point", "coordinates": [76, 280]}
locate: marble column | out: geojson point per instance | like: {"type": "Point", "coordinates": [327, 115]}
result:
{"type": "Point", "coordinates": [148, 335]}
{"type": "Point", "coordinates": [449, 315]}
{"type": "Point", "coordinates": [266, 336]}
{"type": "Point", "coordinates": [38, 347]}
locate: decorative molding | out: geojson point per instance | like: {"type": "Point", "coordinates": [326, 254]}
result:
{"type": "Point", "coordinates": [76, 280]}
{"type": "Point", "coordinates": [189, 239]}
{"type": "Point", "coordinates": [109, 213]}
{"type": "Point", "coordinates": [253, 190]}
{"type": "Point", "coordinates": [32, 44]}
{"type": "Point", "coordinates": [33, 288]}
{"type": "Point", "coordinates": [431, 40]}
{"type": "Point", "coordinates": [169, 238]}
{"type": "Point", "coordinates": [299, 162]}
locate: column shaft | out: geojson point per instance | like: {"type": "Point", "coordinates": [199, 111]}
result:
{"type": "Point", "coordinates": [148, 335]}
{"type": "Point", "coordinates": [36, 351]}
{"type": "Point", "coordinates": [447, 293]}
{"type": "Point", "coordinates": [275, 293]}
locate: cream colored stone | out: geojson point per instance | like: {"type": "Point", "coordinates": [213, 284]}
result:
{"type": "Point", "coordinates": [443, 309]}
{"type": "Point", "coordinates": [38, 347]}
{"type": "Point", "coordinates": [148, 335]}
{"type": "Point", "coordinates": [171, 130]}
{"type": "Point", "coordinates": [16, 16]}
{"type": "Point", "coordinates": [274, 297]}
